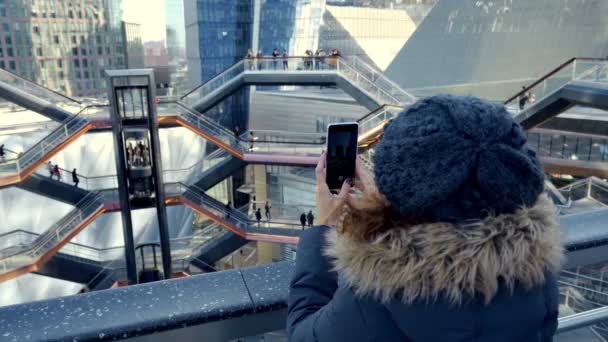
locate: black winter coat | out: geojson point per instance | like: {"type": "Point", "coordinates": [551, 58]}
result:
{"type": "Point", "coordinates": [493, 281]}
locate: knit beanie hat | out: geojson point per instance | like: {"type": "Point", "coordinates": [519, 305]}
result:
{"type": "Point", "coordinates": [453, 158]}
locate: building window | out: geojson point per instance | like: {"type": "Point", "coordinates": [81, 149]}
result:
{"type": "Point", "coordinates": [86, 74]}
{"type": "Point", "coordinates": [100, 50]}
{"type": "Point", "coordinates": [85, 63]}
{"type": "Point", "coordinates": [77, 63]}
{"type": "Point", "coordinates": [11, 65]}
{"type": "Point", "coordinates": [75, 51]}
{"type": "Point", "coordinates": [8, 40]}
{"type": "Point", "coordinates": [2, 65]}
{"type": "Point", "coordinates": [59, 63]}
{"type": "Point", "coordinates": [84, 52]}
{"type": "Point", "coordinates": [39, 51]}
{"type": "Point", "coordinates": [9, 51]}
{"type": "Point", "coordinates": [61, 75]}
{"type": "Point", "coordinates": [74, 40]}
{"type": "Point", "coordinates": [56, 38]}
{"type": "Point", "coordinates": [36, 30]}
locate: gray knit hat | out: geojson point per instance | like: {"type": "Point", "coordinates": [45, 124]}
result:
{"type": "Point", "coordinates": [452, 158]}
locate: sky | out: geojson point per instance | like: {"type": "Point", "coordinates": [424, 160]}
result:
{"type": "Point", "coordinates": [150, 14]}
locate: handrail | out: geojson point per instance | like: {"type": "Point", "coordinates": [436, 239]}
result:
{"type": "Point", "coordinates": [61, 126]}
{"type": "Point", "coordinates": [582, 319]}
{"type": "Point", "coordinates": [381, 75]}
{"type": "Point", "coordinates": [376, 111]}
{"type": "Point", "coordinates": [549, 74]}
{"type": "Point", "coordinates": [41, 86]}
{"type": "Point", "coordinates": [387, 94]}
{"type": "Point", "coordinates": [213, 78]}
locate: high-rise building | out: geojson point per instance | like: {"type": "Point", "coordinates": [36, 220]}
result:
{"type": "Point", "coordinates": [176, 29]}
{"type": "Point", "coordinates": [63, 45]}
{"type": "Point", "coordinates": [134, 53]}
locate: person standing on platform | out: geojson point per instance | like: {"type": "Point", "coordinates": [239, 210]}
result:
{"type": "Point", "coordinates": [251, 139]}
{"type": "Point", "coordinates": [285, 60]}
{"type": "Point", "coordinates": [258, 216]}
{"type": "Point", "coordinates": [250, 59]}
{"type": "Point", "coordinates": [57, 172]}
{"type": "Point", "coordinates": [49, 166]}
{"type": "Point", "coordinates": [260, 57]}
{"type": "Point", "coordinates": [228, 208]}
{"type": "Point", "coordinates": [275, 55]}
{"type": "Point", "coordinates": [523, 99]}
{"type": "Point", "coordinates": [267, 211]}
{"type": "Point", "coordinates": [303, 220]}
{"type": "Point", "coordinates": [322, 55]}
{"type": "Point", "coordinates": [310, 218]}
{"type": "Point", "coordinates": [2, 152]}
{"type": "Point", "coordinates": [75, 178]}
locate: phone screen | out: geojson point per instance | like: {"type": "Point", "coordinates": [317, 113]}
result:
{"type": "Point", "coordinates": [341, 153]}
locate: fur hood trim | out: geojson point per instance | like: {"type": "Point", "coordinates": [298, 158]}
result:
{"type": "Point", "coordinates": [455, 261]}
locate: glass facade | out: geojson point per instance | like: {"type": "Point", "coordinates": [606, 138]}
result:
{"type": "Point", "coordinates": [64, 45]}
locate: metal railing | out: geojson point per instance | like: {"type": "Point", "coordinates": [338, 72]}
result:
{"type": "Point", "coordinates": [110, 182]}
{"type": "Point", "coordinates": [12, 260]}
{"type": "Point", "coordinates": [34, 89]}
{"type": "Point", "coordinates": [578, 68]}
{"type": "Point", "coordinates": [377, 117]}
{"type": "Point", "coordinates": [373, 82]}
{"type": "Point", "coordinates": [33, 154]}
{"type": "Point", "coordinates": [591, 187]}
{"type": "Point", "coordinates": [564, 145]}
{"type": "Point", "coordinates": [273, 142]}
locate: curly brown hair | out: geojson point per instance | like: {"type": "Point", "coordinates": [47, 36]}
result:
{"type": "Point", "coordinates": [372, 215]}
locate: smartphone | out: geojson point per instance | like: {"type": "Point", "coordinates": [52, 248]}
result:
{"type": "Point", "coordinates": [341, 153]}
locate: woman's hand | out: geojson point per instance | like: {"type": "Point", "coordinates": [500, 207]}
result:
{"type": "Point", "coordinates": [330, 207]}
{"type": "Point", "coordinates": [367, 197]}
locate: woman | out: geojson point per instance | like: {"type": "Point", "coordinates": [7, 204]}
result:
{"type": "Point", "coordinates": [452, 239]}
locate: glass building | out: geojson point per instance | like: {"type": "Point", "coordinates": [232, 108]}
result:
{"type": "Point", "coordinates": [62, 45]}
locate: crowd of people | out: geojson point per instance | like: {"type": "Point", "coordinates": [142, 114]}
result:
{"type": "Point", "coordinates": [55, 171]}
{"type": "Point", "coordinates": [318, 60]}
{"type": "Point", "coordinates": [138, 155]}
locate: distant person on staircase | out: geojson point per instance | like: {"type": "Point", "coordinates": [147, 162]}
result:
{"type": "Point", "coordinates": [523, 99]}
{"type": "Point", "coordinates": [251, 139]}
{"type": "Point", "coordinates": [228, 208]}
{"type": "Point", "coordinates": [250, 59]}
{"type": "Point", "coordinates": [308, 60]}
{"type": "Point", "coordinates": [303, 220]}
{"type": "Point", "coordinates": [258, 216]}
{"type": "Point", "coordinates": [56, 172]}
{"type": "Point", "coordinates": [285, 60]}
{"type": "Point", "coordinates": [75, 178]}
{"type": "Point", "coordinates": [267, 211]}
{"type": "Point", "coordinates": [2, 153]}
{"type": "Point", "coordinates": [260, 57]}
{"type": "Point", "coordinates": [49, 166]}
{"type": "Point", "coordinates": [275, 55]}
{"type": "Point", "coordinates": [310, 218]}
